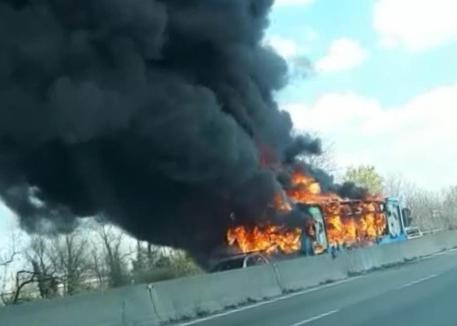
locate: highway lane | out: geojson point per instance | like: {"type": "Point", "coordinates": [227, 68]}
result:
{"type": "Point", "coordinates": [420, 293]}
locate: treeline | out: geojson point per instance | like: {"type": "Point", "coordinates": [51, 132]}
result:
{"type": "Point", "coordinates": [93, 257]}
{"type": "Point", "coordinates": [432, 210]}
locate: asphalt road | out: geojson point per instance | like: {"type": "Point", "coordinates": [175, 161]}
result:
{"type": "Point", "coordinates": [420, 293]}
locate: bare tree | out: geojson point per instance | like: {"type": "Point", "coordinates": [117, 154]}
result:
{"type": "Point", "coordinates": [140, 262]}
{"type": "Point", "coordinates": [149, 256]}
{"type": "Point", "coordinates": [25, 278]}
{"type": "Point", "coordinates": [427, 206]}
{"type": "Point", "coordinates": [450, 207]}
{"type": "Point", "coordinates": [156, 263]}
{"type": "Point", "coordinates": [115, 258]}
{"type": "Point", "coordinates": [7, 258]}
{"type": "Point", "coordinates": [37, 273]}
{"type": "Point", "coordinates": [70, 257]}
{"type": "Point", "coordinates": [98, 265]}
{"type": "Point", "coordinates": [43, 270]}
{"type": "Point", "coordinates": [398, 186]}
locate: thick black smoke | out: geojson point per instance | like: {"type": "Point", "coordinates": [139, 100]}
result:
{"type": "Point", "coordinates": [351, 190]}
{"type": "Point", "coordinates": [150, 112]}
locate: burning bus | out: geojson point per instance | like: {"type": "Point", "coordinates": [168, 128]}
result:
{"type": "Point", "coordinates": [353, 223]}
{"type": "Point", "coordinates": [328, 223]}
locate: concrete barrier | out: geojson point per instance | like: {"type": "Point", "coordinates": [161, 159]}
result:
{"type": "Point", "coordinates": [362, 260]}
{"type": "Point", "coordinates": [120, 307]}
{"type": "Point", "coordinates": [300, 273]}
{"type": "Point", "coordinates": [444, 240]}
{"type": "Point", "coordinates": [365, 259]}
{"type": "Point", "coordinates": [203, 294]}
{"type": "Point", "coordinates": [305, 272]}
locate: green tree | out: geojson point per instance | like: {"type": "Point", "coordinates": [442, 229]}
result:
{"type": "Point", "coordinates": [365, 176]}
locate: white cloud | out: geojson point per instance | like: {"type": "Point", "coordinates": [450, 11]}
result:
{"type": "Point", "coordinates": [344, 54]}
{"type": "Point", "coordinates": [293, 2]}
{"type": "Point", "coordinates": [287, 48]}
{"type": "Point", "coordinates": [291, 48]}
{"type": "Point", "coordinates": [416, 24]}
{"type": "Point", "coordinates": [293, 52]}
{"type": "Point", "coordinates": [417, 139]}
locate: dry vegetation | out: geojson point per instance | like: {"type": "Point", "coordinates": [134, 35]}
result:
{"type": "Point", "coordinates": [93, 257]}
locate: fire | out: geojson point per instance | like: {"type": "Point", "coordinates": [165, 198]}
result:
{"type": "Point", "coordinates": [306, 190]}
{"type": "Point", "coordinates": [281, 204]}
{"type": "Point", "coordinates": [269, 239]}
{"type": "Point", "coordinates": [347, 222]}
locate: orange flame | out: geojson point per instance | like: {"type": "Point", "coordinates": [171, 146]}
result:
{"type": "Point", "coordinates": [354, 222]}
{"type": "Point", "coordinates": [281, 204]}
{"type": "Point", "coordinates": [270, 239]}
{"type": "Point", "coordinates": [347, 223]}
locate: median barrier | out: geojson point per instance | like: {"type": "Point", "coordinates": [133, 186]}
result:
{"type": "Point", "coordinates": [119, 307]}
{"type": "Point", "coordinates": [362, 260]}
{"type": "Point", "coordinates": [446, 240]}
{"type": "Point", "coordinates": [366, 259]}
{"type": "Point", "coordinates": [300, 273]}
{"type": "Point", "coordinates": [210, 293]}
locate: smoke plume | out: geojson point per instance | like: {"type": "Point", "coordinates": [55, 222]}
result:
{"type": "Point", "coordinates": [149, 112]}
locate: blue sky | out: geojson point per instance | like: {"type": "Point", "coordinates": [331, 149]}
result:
{"type": "Point", "coordinates": [383, 87]}
{"type": "Point", "coordinates": [391, 75]}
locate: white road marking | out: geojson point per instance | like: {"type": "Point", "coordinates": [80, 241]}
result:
{"type": "Point", "coordinates": [307, 321]}
{"type": "Point", "coordinates": [418, 281]}
{"type": "Point", "coordinates": [259, 304]}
